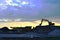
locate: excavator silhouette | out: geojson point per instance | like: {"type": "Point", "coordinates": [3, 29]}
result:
{"type": "Point", "coordinates": [49, 23]}
{"type": "Point", "coordinates": [45, 29]}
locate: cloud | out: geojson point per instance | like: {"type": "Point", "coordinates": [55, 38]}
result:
{"type": "Point", "coordinates": [35, 10]}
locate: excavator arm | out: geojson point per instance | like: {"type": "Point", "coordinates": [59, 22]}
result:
{"type": "Point", "coordinates": [50, 23]}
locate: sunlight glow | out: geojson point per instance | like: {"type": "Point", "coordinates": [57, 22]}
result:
{"type": "Point", "coordinates": [9, 2]}
{"type": "Point", "coordinates": [23, 24]}
{"type": "Point", "coordinates": [24, 3]}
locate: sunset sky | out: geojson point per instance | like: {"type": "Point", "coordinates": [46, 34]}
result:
{"type": "Point", "coordinates": [30, 10]}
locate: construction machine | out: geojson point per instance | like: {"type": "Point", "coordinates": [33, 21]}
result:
{"type": "Point", "coordinates": [49, 23]}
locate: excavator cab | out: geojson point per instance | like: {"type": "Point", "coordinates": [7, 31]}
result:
{"type": "Point", "coordinates": [49, 23]}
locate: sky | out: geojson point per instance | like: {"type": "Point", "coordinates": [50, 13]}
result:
{"type": "Point", "coordinates": [30, 10]}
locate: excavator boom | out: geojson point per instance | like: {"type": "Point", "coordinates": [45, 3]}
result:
{"type": "Point", "coordinates": [50, 23]}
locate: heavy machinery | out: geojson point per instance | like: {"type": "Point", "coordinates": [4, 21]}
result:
{"type": "Point", "coordinates": [27, 32]}
{"type": "Point", "coordinates": [45, 29]}
{"type": "Point", "coordinates": [49, 23]}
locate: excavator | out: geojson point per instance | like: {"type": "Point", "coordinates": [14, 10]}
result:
{"type": "Point", "coordinates": [49, 23]}
{"type": "Point", "coordinates": [45, 29]}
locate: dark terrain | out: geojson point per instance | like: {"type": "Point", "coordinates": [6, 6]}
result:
{"type": "Point", "coordinates": [48, 32]}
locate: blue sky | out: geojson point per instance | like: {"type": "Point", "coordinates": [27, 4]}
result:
{"type": "Point", "coordinates": [30, 9]}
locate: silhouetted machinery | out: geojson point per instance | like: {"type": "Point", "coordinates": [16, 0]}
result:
{"type": "Point", "coordinates": [45, 29]}
{"type": "Point", "coordinates": [26, 32]}
{"type": "Point", "coordinates": [50, 23]}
